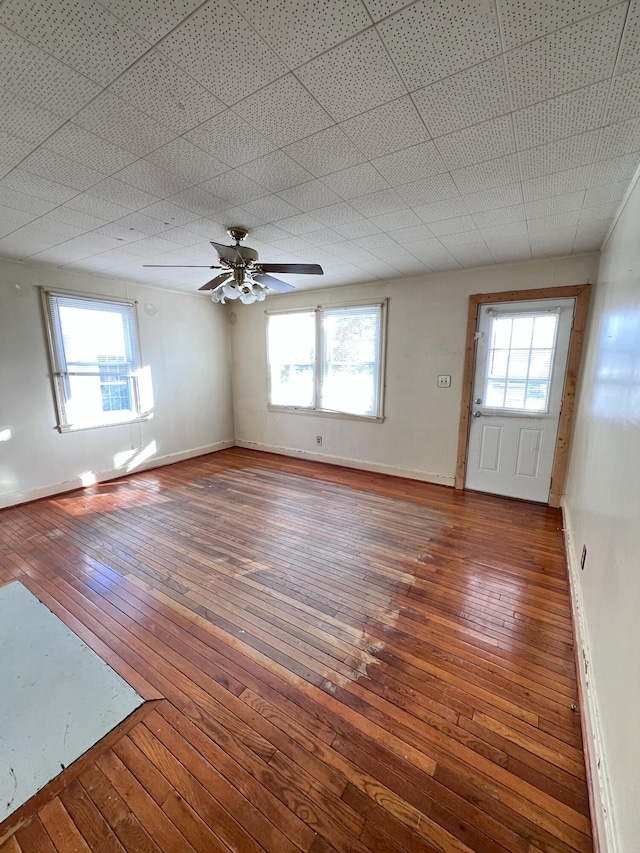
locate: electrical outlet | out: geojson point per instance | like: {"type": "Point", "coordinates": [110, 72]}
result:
{"type": "Point", "coordinates": [583, 558]}
{"type": "Point", "coordinates": [444, 382]}
{"type": "Point", "coordinates": [319, 440]}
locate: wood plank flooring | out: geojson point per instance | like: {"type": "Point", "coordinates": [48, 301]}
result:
{"type": "Point", "coordinates": [344, 662]}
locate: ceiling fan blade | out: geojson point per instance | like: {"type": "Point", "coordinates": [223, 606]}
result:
{"type": "Point", "coordinates": [228, 253]}
{"type": "Point", "coordinates": [297, 269]}
{"type": "Point", "coordinates": [273, 283]}
{"type": "Point", "coordinates": [186, 266]}
{"type": "Point", "coordinates": [219, 279]}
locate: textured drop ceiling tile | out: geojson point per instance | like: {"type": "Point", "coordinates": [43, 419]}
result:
{"type": "Point", "coordinates": [525, 21]}
{"type": "Point", "coordinates": [446, 209]}
{"type": "Point", "coordinates": [88, 149]}
{"type": "Point", "coordinates": [504, 196]}
{"type": "Point", "coordinates": [123, 125]}
{"type": "Point", "coordinates": [431, 40]}
{"type": "Point", "coordinates": [378, 244]}
{"type": "Point", "coordinates": [590, 235]}
{"type": "Point", "coordinates": [325, 152]}
{"type": "Point", "coordinates": [298, 30]}
{"type": "Point", "coordinates": [506, 231]}
{"type": "Point", "coordinates": [554, 204]}
{"type": "Point", "coordinates": [18, 200]}
{"type": "Point", "coordinates": [616, 170]}
{"type": "Point", "coordinates": [473, 255]}
{"type": "Point", "coordinates": [149, 247]}
{"type": "Point", "coordinates": [157, 87]}
{"type": "Point", "coordinates": [624, 98]}
{"type": "Point", "coordinates": [410, 164]}
{"type": "Point", "coordinates": [337, 214]}
{"type": "Point", "coordinates": [568, 59]}
{"type": "Point", "coordinates": [152, 179]}
{"type": "Point", "coordinates": [605, 194]}
{"type": "Point", "coordinates": [234, 188]}
{"type": "Point", "coordinates": [198, 201]}
{"type": "Point", "coordinates": [491, 173]}
{"type": "Point", "coordinates": [11, 220]}
{"type": "Point", "coordinates": [565, 115]}
{"type": "Point", "coordinates": [558, 156]}
{"type": "Point", "coordinates": [428, 190]}
{"type": "Point", "coordinates": [25, 120]}
{"type": "Point", "coordinates": [353, 77]}
{"type": "Point", "coordinates": [629, 57]}
{"type": "Point", "coordinates": [300, 225]}
{"type": "Point", "coordinates": [214, 44]}
{"type": "Point", "coordinates": [35, 76]}
{"type": "Point", "coordinates": [309, 196]}
{"type": "Point", "coordinates": [284, 111]}
{"type": "Point", "coordinates": [13, 149]}
{"type": "Point", "coordinates": [37, 186]}
{"type": "Point", "coordinates": [484, 141]}
{"type": "Point", "coordinates": [63, 170]}
{"type": "Point", "coordinates": [466, 98]}
{"type": "Point", "coordinates": [453, 226]}
{"type": "Point", "coordinates": [124, 195]}
{"type": "Point", "coordinates": [559, 183]}
{"type": "Point", "coordinates": [85, 203]}
{"type": "Point", "coordinates": [229, 138]}
{"type": "Point", "coordinates": [210, 230]}
{"type": "Point", "coordinates": [74, 217]}
{"type": "Point", "coordinates": [379, 203]}
{"type": "Point", "coordinates": [322, 237]}
{"type": "Point", "coordinates": [358, 228]}
{"type": "Point", "coordinates": [80, 33]}
{"type": "Point", "coordinates": [506, 251]}
{"type": "Point", "coordinates": [169, 213]}
{"type": "Point", "coordinates": [416, 234]}
{"type": "Point", "coordinates": [291, 244]}
{"type": "Point", "coordinates": [499, 216]}
{"type": "Point", "coordinates": [387, 128]}
{"type": "Point", "coordinates": [621, 138]}
{"type": "Point", "coordinates": [355, 181]}
{"type": "Point", "coordinates": [152, 19]}
{"type": "Point", "coordinates": [276, 171]}
{"type": "Point", "coordinates": [599, 213]}
{"type": "Point", "coordinates": [144, 224]}
{"type": "Point", "coordinates": [557, 222]}
{"type": "Point", "coordinates": [434, 255]}
{"type": "Point", "coordinates": [187, 161]}
{"type": "Point", "coordinates": [269, 208]}
{"type": "Point", "coordinates": [552, 242]}
{"type": "Point", "coordinates": [396, 220]}
{"type": "Point", "coordinates": [463, 238]}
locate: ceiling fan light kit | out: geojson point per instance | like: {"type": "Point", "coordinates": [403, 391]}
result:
{"type": "Point", "coordinates": [245, 278]}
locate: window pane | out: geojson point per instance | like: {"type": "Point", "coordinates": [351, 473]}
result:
{"type": "Point", "coordinates": [520, 361]}
{"type": "Point", "coordinates": [350, 347]}
{"type": "Point", "coordinates": [291, 341]}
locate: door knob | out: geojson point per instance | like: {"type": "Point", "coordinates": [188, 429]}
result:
{"type": "Point", "coordinates": [477, 414]}
{"type": "Point", "coordinates": [477, 401]}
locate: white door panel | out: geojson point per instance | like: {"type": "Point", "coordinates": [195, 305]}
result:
{"type": "Point", "coordinates": [521, 357]}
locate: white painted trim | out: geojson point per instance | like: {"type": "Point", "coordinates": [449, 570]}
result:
{"type": "Point", "coordinates": [102, 476]}
{"type": "Point", "coordinates": [346, 462]}
{"type": "Point", "coordinates": [602, 820]}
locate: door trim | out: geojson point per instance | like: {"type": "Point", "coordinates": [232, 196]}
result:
{"type": "Point", "coordinates": [581, 293]}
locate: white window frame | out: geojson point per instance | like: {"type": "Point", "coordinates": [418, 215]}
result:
{"type": "Point", "coordinates": [57, 358]}
{"type": "Point", "coordinates": [319, 311]}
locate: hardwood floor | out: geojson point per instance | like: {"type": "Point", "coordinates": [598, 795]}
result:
{"type": "Point", "coordinates": [342, 661]}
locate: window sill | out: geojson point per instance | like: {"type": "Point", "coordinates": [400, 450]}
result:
{"type": "Point", "coordinates": [64, 428]}
{"type": "Point", "coordinates": [326, 413]}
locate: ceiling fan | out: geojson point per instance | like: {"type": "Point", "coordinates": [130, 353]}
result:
{"type": "Point", "coordinates": [244, 277]}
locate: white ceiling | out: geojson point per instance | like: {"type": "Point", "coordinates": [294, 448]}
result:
{"type": "Point", "coordinates": [377, 138]}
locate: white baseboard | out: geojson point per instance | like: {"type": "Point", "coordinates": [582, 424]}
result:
{"type": "Point", "coordinates": [345, 462]}
{"type": "Point", "coordinates": [603, 825]}
{"type": "Point", "coordinates": [103, 476]}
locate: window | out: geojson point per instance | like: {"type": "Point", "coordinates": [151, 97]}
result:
{"type": "Point", "coordinates": [95, 360]}
{"type": "Point", "coordinates": [327, 360]}
{"type": "Point", "coordinates": [520, 361]}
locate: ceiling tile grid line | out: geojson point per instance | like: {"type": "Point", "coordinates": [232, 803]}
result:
{"type": "Point", "coordinates": [386, 163]}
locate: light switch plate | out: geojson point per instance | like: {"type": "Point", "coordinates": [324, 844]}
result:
{"type": "Point", "coordinates": [444, 382]}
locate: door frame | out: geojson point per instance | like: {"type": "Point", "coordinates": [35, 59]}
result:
{"type": "Point", "coordinates": [581, 293]}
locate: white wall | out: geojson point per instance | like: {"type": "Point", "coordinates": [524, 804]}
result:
{"type": "Point", "coordinates": [185, 344]}
{"type": "Point", "coordinates": [427, 318]}
{"type": "Point", "coordinates": [602, 510]}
